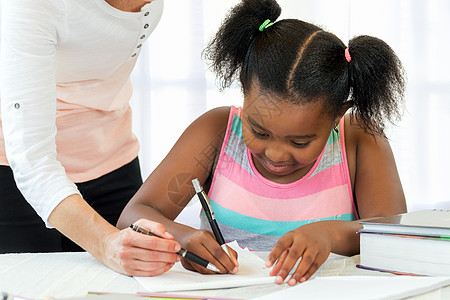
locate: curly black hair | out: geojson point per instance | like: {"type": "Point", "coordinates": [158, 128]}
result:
{"type": "Point", "coordinates": [304, 63]}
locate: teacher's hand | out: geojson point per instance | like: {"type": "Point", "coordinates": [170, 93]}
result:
{"type": "Point", "coordinates": [136, 254]}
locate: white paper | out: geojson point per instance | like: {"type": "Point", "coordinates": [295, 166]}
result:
{"type": "Point", "coordinates": [252, 271]}
{"type": "Point", "coordinates": [360, 287]}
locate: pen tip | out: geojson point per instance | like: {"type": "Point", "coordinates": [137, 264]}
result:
{"type": "Point", "coordinates": [196, 185]}
{"type": "Point", "coordinates": [213, 268]}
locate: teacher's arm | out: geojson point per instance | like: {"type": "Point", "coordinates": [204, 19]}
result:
{"type": "Point", "coordinates": [124, 251]}
{"type": "Point", "coordinates": [28, 106]}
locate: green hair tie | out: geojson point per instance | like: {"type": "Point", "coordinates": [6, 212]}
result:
{"type": "Point", "coordinates": [264, 25]}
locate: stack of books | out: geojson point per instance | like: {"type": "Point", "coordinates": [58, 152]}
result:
{"type": "Point", "coordinates": [415, 243]}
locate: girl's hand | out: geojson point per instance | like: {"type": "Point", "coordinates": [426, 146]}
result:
{"type": "Point", "coordinates": [135, 254]}
{"type": "Point", "coordinates": [311, 242]}
{"type": "Point", "coordinates": [204, 244]}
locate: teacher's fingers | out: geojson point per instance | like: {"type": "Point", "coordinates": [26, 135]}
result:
{"type": "Point", "coordinates": [155, 228]}
{"type": "Point", "coordinates": [146, 269]}
{"type": "Point", "coordinates": [144, 255]}
{"type": "Point", "coordinates": [131, 238]}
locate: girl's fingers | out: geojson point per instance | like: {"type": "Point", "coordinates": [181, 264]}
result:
{"type": "Point", "coordinates": [279, 263]}
{"type": "Point", "coordinates": [189, 265]}
{"type": "Point", "coordinates": [320, 259]}
{"type": "Point", "coordinates": [234, 258]}
{"type": "Point", "coordinates": [280, 247]}
{"type": "Point", "coordinates": [217, 256]}
{"type": "Point", "coordinates": [294, 253]}
{"type": "Point", "coordinates": [310, 263]}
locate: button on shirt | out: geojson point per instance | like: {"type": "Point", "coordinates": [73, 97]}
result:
{"type": "Point", "coordinates": [65, 89]}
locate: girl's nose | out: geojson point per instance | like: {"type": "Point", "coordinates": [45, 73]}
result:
{"type": "Point", "coordinates": [276, 153]}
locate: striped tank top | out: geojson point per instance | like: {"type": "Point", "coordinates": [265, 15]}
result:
{"type": "Point", "coordinates": [256, 211]}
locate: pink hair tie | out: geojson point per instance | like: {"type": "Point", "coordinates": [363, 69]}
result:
{"type": "Point", "coordinates": [347, 55]}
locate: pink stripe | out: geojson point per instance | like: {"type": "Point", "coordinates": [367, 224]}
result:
{"type": "Point", "coordinates": [327, 203]}
{"type": "Point", "coordinates": [327, 179]}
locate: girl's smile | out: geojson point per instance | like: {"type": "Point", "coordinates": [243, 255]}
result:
{"type": "Point", "coordinates": [276, 168]}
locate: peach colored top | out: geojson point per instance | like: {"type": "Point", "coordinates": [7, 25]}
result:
{"type": "Point", "coordinates": [65, 91]}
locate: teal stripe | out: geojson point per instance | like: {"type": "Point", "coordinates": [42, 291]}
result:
{"type": "Point", "coordinates": [334, 136]}
{"type": "Point", "coordinates": [236, 126]}
{"type": "Point", "coordinates": [275, 228]}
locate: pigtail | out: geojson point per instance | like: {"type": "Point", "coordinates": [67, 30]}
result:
{"type": "Point", "coordinates": [377, 82]}
{"type": "Point", "coordinates": [227, 51]}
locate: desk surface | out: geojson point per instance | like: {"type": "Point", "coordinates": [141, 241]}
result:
{"type": "Point", "coordinates": [63, 275]}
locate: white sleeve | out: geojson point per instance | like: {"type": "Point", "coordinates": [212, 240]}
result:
{"type": "Point", "coordinates": [28, 101]}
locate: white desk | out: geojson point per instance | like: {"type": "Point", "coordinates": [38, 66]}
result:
{"type": "Point", "coordinates": [63, 275]}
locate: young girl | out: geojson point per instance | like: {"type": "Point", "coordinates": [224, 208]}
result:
{"type": "Point", "coordinates": [289, 172]}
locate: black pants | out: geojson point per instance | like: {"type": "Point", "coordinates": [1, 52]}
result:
{"type": "Point", "coordinates": [22, 230]}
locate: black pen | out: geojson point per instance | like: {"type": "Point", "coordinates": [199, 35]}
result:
{"type": "Point", "coordinates": [210, 215]}
{"type": "Point", "coordinates": [183, 252]}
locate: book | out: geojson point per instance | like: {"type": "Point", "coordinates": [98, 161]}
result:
{"type": "Point", "coordinates": [252, 271]}
{"type": "Point", "coordinates": [415, 243]}
{"type": "Point", "coordinates": [434, 223]}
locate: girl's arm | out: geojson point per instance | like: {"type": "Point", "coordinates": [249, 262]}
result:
{"type": "Point", "coordinates": [377, 191]}
{"type": "Point", "coordinates": [376, 184]}
{"type": "Point", "coordinates": [169, 188]}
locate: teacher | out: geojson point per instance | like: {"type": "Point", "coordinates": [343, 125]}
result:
{"type": "Point", "coordinates": [68, 157]}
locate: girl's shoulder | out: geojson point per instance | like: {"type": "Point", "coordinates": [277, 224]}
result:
{"type": "Point", "coordinates": [213, 120]}
{"type": "Point", "coordinates": [355, 135]}
{"type": "Point", "coordinates": [208, 130]}
{"type": "Point", "coordinates": [362, 148]}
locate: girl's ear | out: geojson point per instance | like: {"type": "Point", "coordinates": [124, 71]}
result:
{"type": "Point", "coordinates": [346, 106]}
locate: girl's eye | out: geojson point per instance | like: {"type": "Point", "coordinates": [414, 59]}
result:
{"type": "Point", "coordinates": [259, 134]}
{"type": "Point", "coordinates": [299, 145]}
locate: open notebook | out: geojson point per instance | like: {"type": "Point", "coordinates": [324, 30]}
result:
{"type": "Point", "coordinates": [360, 287]}
{"type": "Point", "coordinates": [251, 272]}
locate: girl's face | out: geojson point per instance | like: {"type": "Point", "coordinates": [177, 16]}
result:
{"type": "Point", "coordinates": [284, 139]}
